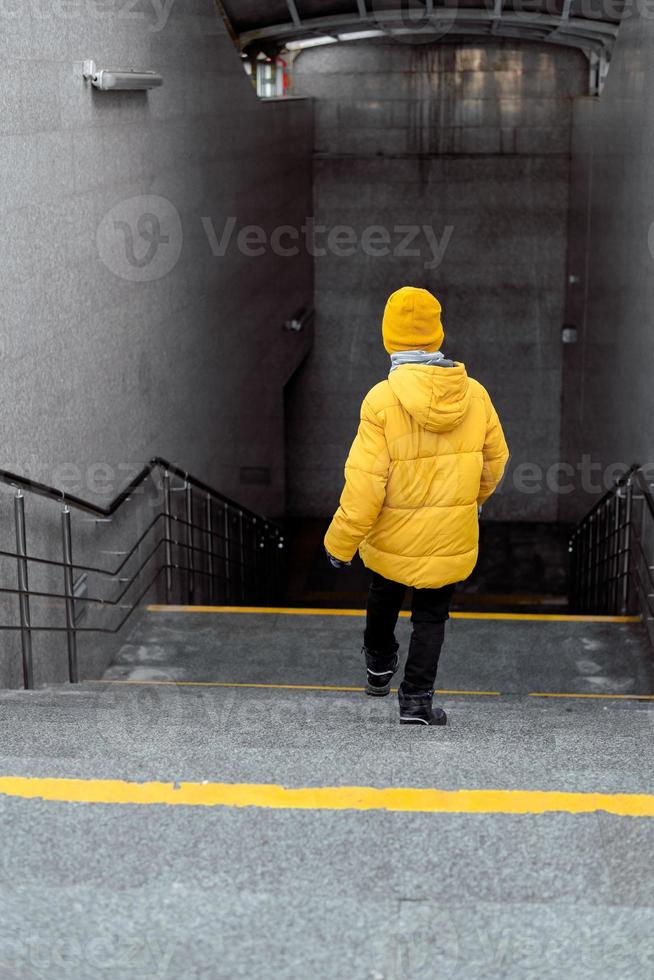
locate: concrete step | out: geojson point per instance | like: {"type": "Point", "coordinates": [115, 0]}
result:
{"type": "Point", "coordinates": [510, 656]}
{"type": "Point", "coordinates": [168, 732]}
{"type": "Point", "coordinates": [238, 891]}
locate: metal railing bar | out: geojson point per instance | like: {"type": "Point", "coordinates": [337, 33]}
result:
{"type": "Point", "coordinates": [151, 526]}
{"type": "Point", "coordinates": [198, 548]}
{"type": "Point", "coordinates": [78, 503]}
{"type": "Point", "coordinates": [644, 595]}
{"type": "Point", "coordinates": [23, 590]}
{"type": "Point", "coordinates": [105, 572]}
{"type": "Point", "coordinates": [69, 587]}
{"type": "Point", "coordinates": [208, 507]}
{"type": "Point", "coordinates": [78, 566]}
{"type": "Point", "coordinates": [89, 568]}
{"type": "Point", "coordinates": [645, 488]}
{"type": "Point", "coordinates": [92, 600]}
{"type": "Point", "coordinates": [107, 602]}
{"type": "Point", "coordinates": [190, 541]}
{"type": "Point", "coordinates": [644, 558]}
{"type": "Point", "coordinates": [621, 482]}
{"type": "Point", "coordinates": [237, 552]}
{"type": "Point", "coordinates": [226, 554]}
{"type": "Point", "coordinates": [110, 630]}
{"type": "Point", "coordinates": [96, 600]}
{"type": "Point", "coordinates": [274, 536]}
{"type": "Point", "coordinates": [609, 563]}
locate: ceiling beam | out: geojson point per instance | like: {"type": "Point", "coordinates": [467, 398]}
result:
{"type": "Point", "coordinates": [565, 16]}
{"type": "Point", "coordinates": [585, 33]}
{"type": "Point", "coordinates": [295, 17]}
{"type": "Point", "coordinates": [497, 14]}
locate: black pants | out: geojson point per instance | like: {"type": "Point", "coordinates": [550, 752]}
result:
{"type": "Point", "coordinates": [429, 611]}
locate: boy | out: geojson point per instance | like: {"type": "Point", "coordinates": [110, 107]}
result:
{"type": "Point", "coordinates": [428, 453]}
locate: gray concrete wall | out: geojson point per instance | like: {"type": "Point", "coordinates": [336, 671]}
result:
{"type": "Point", "coordinates": [474, 143]}
{"type": "Point", "coordinates": [182, 354]}
{"type": "Point", "coordinates": [98, 366]}
{"type": "Point", "coordinates": [608, 394]}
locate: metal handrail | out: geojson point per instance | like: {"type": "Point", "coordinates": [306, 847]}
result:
{"type": "Point", "coordinates": [612, 559]}
{"type": "Point", "coordinates": [238, 557]}
{"type": "Point", "coordinates": [157, 462]}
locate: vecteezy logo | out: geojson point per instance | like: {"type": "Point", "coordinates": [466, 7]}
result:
{"type": "Point", "coordinates": [413, 21]}
{"type": "Point", "coordinates": [141, 238]}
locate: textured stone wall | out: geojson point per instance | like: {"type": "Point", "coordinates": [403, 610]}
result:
{"type": "Point", "coordinates": [470, 146]}
{"type": "Point", "coordinates": [123, 335]}
{"type": "Point", "coordinates": [97, 364]}
{"type": "Point", "coordinates": [608, 393]}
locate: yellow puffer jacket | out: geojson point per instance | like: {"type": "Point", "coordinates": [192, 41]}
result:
{"type": "Point", "coordinates": [429, 450]}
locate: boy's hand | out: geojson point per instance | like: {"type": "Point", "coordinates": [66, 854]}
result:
{"type": "Point", "coordinates": [336, 562]}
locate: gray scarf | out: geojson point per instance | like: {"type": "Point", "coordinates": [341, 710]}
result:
{"type": "Point", "coordinates": [419, 357]}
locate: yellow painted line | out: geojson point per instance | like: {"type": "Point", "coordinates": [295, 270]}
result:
{"type": "Point", "coordinates": [272, 687]}
{"type": "Point", "coordinates": [546, 617]}
{"type": "Point", "coordinates": [298, 611]}
{"type": "Point", "coordinates": [275, 687]}
{"type": "Point", "coordinates": [270, 796]}
{"type": "Point", "coordinates": [608, 697]}
{"type": "Point", "coordinates": [359, 690]}
{"type": "Point", "coordinates": [283, 610]}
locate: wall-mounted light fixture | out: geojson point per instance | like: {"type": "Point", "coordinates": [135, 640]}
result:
{"type": "Point", "coordinates": [120, 79]}
{"type": "Point", "coordinates": [301, 320]}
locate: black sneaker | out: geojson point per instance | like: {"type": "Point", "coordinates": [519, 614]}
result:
{"type": "Point", "coordinates": [380, 667]}
{"type": "Point", "coordinates": [417, 709]}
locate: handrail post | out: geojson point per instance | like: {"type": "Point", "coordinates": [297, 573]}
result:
{"type": "Point", "coordinates": [242, 553]}
{"type": "Point", "coordinates": [71, 634]}
{"type": "Point", "coordinates": [267, 575]}
{"type": "Point", "coordinates": [190, 550]}
{"type": "Point", "coordinates": [23, 587]}
{"type": "Point", "coordinates": [210, 548]}
{"type": "Point", "coordinates": [226, 526]}
{"type": "Point", "coordinates": [594, 564]}
{"type": "Point", "coordinates": [615, 561]}
{"type": "Point", "coordinates": [280, 565]}
{"type": "Point", "coordinates": [260, 545]}
{"type": "Point", "coordinates": [603, 552]}
{"type": "Point", "coordinates": [168, 551]}
{"type": "Point", "coordinates": [255, 561]}
{"type": "Point", "coordinates": [572, 572]}
{"type": "Point", "coordinates": [589, 566]}
{"type": "Point", "coordinates": [627, 547]}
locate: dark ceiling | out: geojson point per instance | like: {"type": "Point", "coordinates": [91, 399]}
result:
{"type": "Point", "coordinates": [590, 25]}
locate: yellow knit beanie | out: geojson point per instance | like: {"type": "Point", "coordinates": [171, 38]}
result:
{"type": "Point", "coordinates": [412, 321]}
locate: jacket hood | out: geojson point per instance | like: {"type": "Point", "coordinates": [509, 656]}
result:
{"type": "Point", "coordinates": [436, 397]}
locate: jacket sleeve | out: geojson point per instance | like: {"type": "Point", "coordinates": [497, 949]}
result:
{"type": "Point", "coordinates": [366, 473]}
{"type": "Point", "coordinates": [496, 453]}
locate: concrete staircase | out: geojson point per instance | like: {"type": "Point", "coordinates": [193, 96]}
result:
{"type": "Point", "coordinates": [516, 655]}
{"type": "Point", "coordinates": [266, 700]}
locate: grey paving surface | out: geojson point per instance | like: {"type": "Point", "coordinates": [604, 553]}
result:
{"type": "Point", "coordinates": [125, 891]}
{"type": "Point", "coordinates": [225, 893]}
{"type": "Point", "coordinates": [510, 656]}
{"type": "Point", "coordinates": [299, 738]}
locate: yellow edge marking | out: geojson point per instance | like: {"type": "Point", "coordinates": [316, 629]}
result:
{"type": "Point", "coordinates": [609, 697]}
{"type": "Point", "coordinates": [326, 797]}
{"type": "Point", "coordinates": [358, 690]}
{"type": "Point", "coordinates": [293, 611]}
{"type": "Point", "coordinates": [275, 687]}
